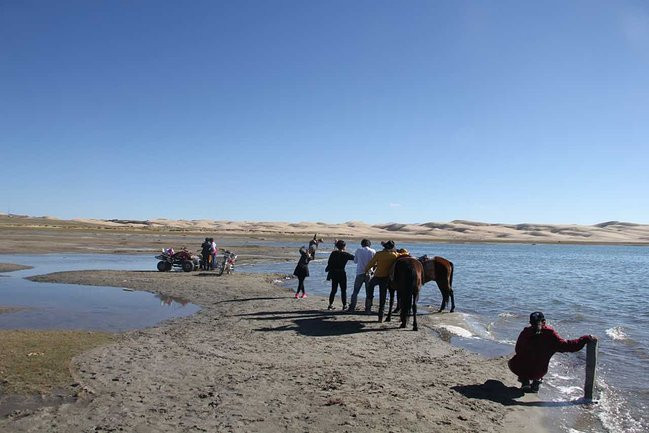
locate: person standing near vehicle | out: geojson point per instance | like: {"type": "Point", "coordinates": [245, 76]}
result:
{"type": "Point", "coordinates": [362, 257]}
{"type": "Point", "coordinates": [214, 251]}
{"type": "Point", "coordinates": [535, 346]}
{"type": "Point", "coordinates": [302, 270]}
{"type": "Point", "coordinates": [381, 263]}
{"type": "Point", "coordinates": [206, 251]}
{"type": "Point", "coordinates": [336, 273]}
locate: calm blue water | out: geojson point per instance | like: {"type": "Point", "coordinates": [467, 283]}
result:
{"type": "Point", "coordinates": [599, 290]}
{"type": "Point", "coordinates": [68, 306]}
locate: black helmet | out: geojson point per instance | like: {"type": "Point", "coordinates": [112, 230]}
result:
{"type": "Point", "coordinates": [340, 244]}
{"type": "Point", "coordinates": [388, 245]}
{"type": "Point", "coordinates": [366, 243]}
{"type": "Point", "coordinates": [536, 318]}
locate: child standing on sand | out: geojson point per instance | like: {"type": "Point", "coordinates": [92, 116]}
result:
{"type": "Point", "coordinates": [302, 270]}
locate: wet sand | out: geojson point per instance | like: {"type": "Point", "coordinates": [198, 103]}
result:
{"type": "Point", "coordinates": [10, 267]}
{"type": "Point", "coordinates": [255, 359]}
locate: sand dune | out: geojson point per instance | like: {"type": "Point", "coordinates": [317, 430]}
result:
{"type": "Point", "coordinates": [454, 231]}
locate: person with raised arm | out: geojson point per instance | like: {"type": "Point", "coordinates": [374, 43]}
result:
{"type": "Point", "coordinates": [302, 270]}
{"type": "Point", "coordinates": [336, 273]}
{"type": "Point", "coordinates": [535, 346]}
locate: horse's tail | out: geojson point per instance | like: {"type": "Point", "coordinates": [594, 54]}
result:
{"type": "Point", "coordinates": [407, 275]}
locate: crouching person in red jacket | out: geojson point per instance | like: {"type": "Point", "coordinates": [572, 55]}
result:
{"type": "Point", "coordinates": [535, 346]}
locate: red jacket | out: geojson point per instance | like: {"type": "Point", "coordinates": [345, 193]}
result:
{"type": "Point", "coordinates": [533, 352]}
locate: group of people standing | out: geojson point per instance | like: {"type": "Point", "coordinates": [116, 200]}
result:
{"type": "Point", "coordinates": [535, 345]}
{"type": "Point", "coordinates": [208, 253]}
{"type": "Point", "coordinates": [372, 269]}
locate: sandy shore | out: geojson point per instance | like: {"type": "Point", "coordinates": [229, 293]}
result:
{"type": "Point", "coordinates": [10, 267]}
{"type": "Point", "coordinates": [255, 359]}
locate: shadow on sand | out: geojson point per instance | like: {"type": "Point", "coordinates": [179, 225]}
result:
{"type": "Point", "coordinates": [261, 298]}
{"type": "Point", "coordinates": [313, 323]}
{"type": "Point", "coordinates": [496, 391]}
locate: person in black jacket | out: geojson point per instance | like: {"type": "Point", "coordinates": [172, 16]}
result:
{"type": "Point", "coordinates": [336, 273]}
{"type": "Point", "coordinates": [206, 254]}
{"type": "Point", "coordinates": [302, 270]}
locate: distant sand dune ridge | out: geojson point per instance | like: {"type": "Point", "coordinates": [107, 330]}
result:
{"type": "Point", "coordinates": [454, 231]}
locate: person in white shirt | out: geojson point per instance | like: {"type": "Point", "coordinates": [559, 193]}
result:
{"type": "Point", "coordinates": [362, 257]}
{"type": "Point", "coordinates": [214, 253]}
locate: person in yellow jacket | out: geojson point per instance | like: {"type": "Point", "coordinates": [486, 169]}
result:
{"type": "Point", "coordinates": [381, 263]}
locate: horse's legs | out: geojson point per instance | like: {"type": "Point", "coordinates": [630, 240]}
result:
{"type": "Point", "coordinates": [389, 318]}
{"type": "Point", "coordinates": [404, 313]}
{"type": "Point", "coordinates": [444, 302]}
{"type": "Point", "coordinates": [444, 299]}
{"type": "Point", "coordinates": [383, 288]}
{"type": "Point", "coordinates": [452, 302]}
{"type": "Point", "coordinates": [414, 310]}
{"type": "Point", "coordinates": [404, 318]}
{"type": "Point", "coordinates": [398, 308]}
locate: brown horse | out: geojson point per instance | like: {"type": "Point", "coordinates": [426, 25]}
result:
{"type": "Point", "coordinates": [409, 275]}
{"type": "Point", "coordinates": [408, 278]}
{"type": "Point", "coordinates": [440, 270]}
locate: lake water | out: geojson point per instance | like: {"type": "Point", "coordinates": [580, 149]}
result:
{"type": "Point", "coordinates": [599, 290]}
{"type": "Point", "coordinates": [69, 306]}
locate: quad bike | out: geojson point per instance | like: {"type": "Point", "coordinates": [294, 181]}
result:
{"type": "Point", "coordinates": [226, 264]}
{"type": "Point", "coordinates": [182, 259]}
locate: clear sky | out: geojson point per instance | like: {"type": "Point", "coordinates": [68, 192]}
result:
{"type": "Point", "coordinates": [379, 111]}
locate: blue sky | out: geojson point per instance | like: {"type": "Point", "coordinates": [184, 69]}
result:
{"type": "Point", "coordinates": [378, 111]}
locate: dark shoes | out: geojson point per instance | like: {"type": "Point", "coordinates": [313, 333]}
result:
{"type": "Point", "coordinates": [533, 387]}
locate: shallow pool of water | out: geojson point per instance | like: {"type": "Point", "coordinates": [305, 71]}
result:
{"type": "Point", "coordinates": [35, 305]}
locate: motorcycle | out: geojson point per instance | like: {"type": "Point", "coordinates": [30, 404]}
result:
{"type": "Point", "coordinates": [182, 259]}
{"type": "Point", "coordinates": [226, 264]}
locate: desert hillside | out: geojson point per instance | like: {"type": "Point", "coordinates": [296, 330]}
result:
{"type": "Point", "coordinates": [454, 231]}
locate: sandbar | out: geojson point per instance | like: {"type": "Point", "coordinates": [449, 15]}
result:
{"type": "Point", "coordinates": [255, 359]}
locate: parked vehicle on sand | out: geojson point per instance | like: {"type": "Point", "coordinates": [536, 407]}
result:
{"type": "Point", "coordinates": [226, 264]}
{"type": "Point", "coordinates": [182, 259]}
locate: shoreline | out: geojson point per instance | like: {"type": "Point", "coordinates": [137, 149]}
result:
{"type": "Point", "coordinates": [251, 247]}
{"type": "Point", "coordinates": [262, 339]}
